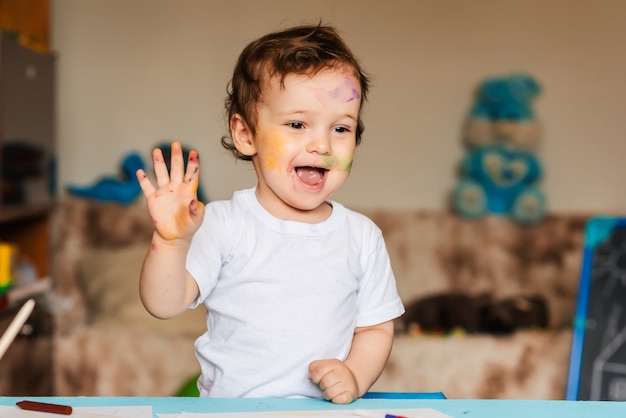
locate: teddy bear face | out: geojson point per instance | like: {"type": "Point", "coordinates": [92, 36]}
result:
{"type": "Point", "coordinates": [523, 135]}
{"type": "Point", "coordinates": [503, 113]}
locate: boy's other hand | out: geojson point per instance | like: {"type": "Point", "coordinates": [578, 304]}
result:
{"type": "Point", "coordinates": [173, 204]}
{"type": "Point", "coordinates": [335, 379]}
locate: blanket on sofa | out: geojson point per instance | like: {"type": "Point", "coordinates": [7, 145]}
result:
{"type": "Point", "coordinates": [107, 345]}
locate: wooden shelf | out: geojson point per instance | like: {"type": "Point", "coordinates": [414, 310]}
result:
{"type": "Point", "coordinates": [27, 149]}
{"type": "Point", "coordinates": [19, 213]}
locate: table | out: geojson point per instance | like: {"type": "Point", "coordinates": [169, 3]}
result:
{"type": "Point", "coordinates": [460, 408]}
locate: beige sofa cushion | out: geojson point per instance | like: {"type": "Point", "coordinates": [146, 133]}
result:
{"type": "Point", "coordinates": [110, 282]}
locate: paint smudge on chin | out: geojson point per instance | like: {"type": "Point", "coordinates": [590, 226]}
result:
{"type": "Point", "coordinates": [347, 91]}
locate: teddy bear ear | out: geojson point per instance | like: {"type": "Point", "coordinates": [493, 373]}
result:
{"type": "Point", "coordinates": [527, 84]}
{"type": "Point", "coordinates": [488, 94]}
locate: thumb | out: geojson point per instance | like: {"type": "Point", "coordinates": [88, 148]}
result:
{"type": "Point", "coordinates": [196, 208]}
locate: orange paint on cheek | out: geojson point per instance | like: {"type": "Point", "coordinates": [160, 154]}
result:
{"type": "Point", "coordinates": [274, 148]}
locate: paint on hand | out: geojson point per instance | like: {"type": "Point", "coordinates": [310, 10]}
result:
{"type": "Point", "coordinates": [194, 178]}
{"type": "Point", "coordinates": [182, 218]}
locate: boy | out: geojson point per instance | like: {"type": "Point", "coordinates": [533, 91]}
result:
{"type": "Point", "coordinates": [299, 289]}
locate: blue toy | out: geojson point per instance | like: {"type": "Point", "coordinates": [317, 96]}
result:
{"type": "Point", "coordinates": [502, 180]}
{"type": "Point", "coordinates": [503, 111]}
{"type": "Point", "coordinates": [500, 171]}
{"type": "Point", "coordinates": [123, 189]}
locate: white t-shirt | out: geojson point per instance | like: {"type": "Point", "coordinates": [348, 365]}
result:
{"type": "Point", "coordinates": [281, 294]}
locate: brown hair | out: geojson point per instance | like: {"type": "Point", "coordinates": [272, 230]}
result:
{"type": "Point", "coordinates": [298, 50]}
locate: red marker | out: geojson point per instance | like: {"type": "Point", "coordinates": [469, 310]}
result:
{"type": "Point", "coordinates": [45, 407]}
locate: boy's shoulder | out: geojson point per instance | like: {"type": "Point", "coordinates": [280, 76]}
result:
{"type": "Point", "coordinates": [237, 199]}
{"type": "Point", "coordinates": [359, 219]}
{"type": "Point", "coordinates": [226, 210]}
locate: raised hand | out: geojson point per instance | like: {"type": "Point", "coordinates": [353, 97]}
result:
{"type": "Point", "coordinates": [173, 204]}
{"type": "Point", "coordinates": [336, 380]}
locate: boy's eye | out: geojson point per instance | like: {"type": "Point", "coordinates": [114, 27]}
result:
{"type": "Point", "coordinates": [341, 129]}
{"type": "Point", "coordinates": [296, 125]}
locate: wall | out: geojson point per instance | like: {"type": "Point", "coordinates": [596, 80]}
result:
{"type": "Point", "coordinates": [132, 73]}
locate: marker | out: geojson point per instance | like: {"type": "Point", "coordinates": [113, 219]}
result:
{"type": "Point", "coordinates": [45, 407]}
{"type": "Point", "coordinates": [375, 414]}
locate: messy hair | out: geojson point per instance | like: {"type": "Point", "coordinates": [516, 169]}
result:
{"type": "Point", "coordinates": [302, 50]}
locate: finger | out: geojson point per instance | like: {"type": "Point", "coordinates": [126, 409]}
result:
{"type": "Point", "coordinates": [317, 371]}
{"type": "Point", "coordinates": [177, 167]}
{"type": "Point", "coordinates": [342, 398]}
{"type": "Point", "coordinates": [192, 176]}
{"type": "Point", "coordinates": [144, 182]}
{"type": "Point", "coordinates": [330, 390]}
{"type": "Point", "coordinates": [160, 169]}
{"type": "Point", "coordinates": [326, 379]}
{"type": "Point", "coordinates": [196, 208]}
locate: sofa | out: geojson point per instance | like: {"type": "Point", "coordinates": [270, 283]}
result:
{"type": "Point", "coordinates": [105, 344]}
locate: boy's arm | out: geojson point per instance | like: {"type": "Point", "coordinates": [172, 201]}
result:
{"type": "Point", "coordinates": [343, 382]}
{"type": "Point", "coordinates": [165, 287]}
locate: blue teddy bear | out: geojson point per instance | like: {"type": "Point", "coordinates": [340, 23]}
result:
{"type": "Point", "coordinates": [500, 179]}
{"type": "Point", "coordinates": [500, 172]}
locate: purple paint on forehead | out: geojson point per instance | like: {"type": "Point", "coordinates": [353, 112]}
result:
{"type": "Point", "coordinates": [347, 90]}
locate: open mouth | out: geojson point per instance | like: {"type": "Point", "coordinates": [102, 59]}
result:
{"type": "Point", "coordinates": [311, 175]}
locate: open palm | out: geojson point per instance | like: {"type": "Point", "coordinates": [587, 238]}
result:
{"type": "Point", "coordinates": [173, 204]}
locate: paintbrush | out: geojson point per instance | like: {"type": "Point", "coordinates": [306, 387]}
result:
{"type": "Point", "coordinates": [16, 325]}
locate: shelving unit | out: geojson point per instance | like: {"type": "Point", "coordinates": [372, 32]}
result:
{"type": "Point", "coordinates": [27, 178]}
{"type": "Point", "coordinates": [26, 120]}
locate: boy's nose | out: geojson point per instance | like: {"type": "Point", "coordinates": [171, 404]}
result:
{"type": "Point", "coordinates": [319, 144]}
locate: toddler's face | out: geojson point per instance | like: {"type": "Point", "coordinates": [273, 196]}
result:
{"type": "Point", "coordinates": [305, 141]}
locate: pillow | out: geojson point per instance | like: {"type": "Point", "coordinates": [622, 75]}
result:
{"type": "Point", "coordinates": [110, 282]}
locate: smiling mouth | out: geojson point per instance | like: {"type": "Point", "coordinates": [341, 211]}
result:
{"type": "Point", "coordinates": [311, 176]}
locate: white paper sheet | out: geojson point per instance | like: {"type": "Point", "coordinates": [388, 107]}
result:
{"type": "Point", "coordinates": [82, 412]}
{"type": "Point", "coordinates": [355, 413]}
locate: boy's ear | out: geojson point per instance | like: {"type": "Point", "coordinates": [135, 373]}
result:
{"type": "Point", "coordinates": [242, 135]}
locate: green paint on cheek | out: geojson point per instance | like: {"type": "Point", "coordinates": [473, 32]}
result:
{"type": "Point", "coordinates": [345, 165]}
